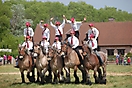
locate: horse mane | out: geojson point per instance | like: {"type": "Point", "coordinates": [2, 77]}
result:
{"type": "Point", "coordinates": [43, 50]}
{"type": "Point", "coordinates": [90, 48]}
{"type": "Point", "coordinates": [70, 45]}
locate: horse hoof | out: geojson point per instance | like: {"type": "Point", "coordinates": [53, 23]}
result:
{"type": "Point", "coordinates": [89, 83]}
{"type": "Point", "coordinates": [23, 81]}
{"type": "Point", "coordinates": [76, 81]}
{"type": "Point", "coordinates": [103, 81]}
{"type": "Point", "coordinates": [83, 81]}
{"type": "Point", "coordinates": [31, 79]}
{"type": "Point", "coordinates": [67, 81]}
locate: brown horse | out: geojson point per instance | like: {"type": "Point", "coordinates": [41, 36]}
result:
{"type": "Point", "coordinates": [71, 60]}
{"type": "Point", "coordinates": [91, 62]}
{"type": "Point", "coordinates": [41, 62]}
{"type": "Point", "coordinates": [56, 64]}
{"type": "Point", "coordinates": [25, 63]}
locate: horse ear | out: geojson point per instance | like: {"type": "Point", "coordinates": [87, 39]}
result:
{"type": "Point", "coordinates": [24, 46]}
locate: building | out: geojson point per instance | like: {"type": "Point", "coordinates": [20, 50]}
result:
{"type": "Point", "coordinates": [114, 37]}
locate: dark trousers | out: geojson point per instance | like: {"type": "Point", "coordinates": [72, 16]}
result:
{"type": "Point", "coordinates": [78, 53]}
{"type": "Point", "coordinates": [99, 57]}
{"type": "Point", "coordinates": [60, 37]}
{"type": "Point", "coordinates": [77, 34]}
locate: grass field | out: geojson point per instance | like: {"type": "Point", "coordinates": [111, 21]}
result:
{"type": "Point", "coordinates": [117, 77]}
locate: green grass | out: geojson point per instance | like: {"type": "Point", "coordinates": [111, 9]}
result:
{"type": "Point", "coordinates": [14, 80]}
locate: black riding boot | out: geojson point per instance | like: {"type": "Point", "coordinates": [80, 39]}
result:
{"type": "Point", "coordinates": [78, 53]}
{"type": "Point", "coordinates": [99, 57]}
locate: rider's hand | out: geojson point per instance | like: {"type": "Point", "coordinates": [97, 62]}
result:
{"type": "Point", "coordinates": [51, 19]}
{"type": "Point", "coordinates": [84, 19]}
{"type": "Point", "coordinates": [64, 16]}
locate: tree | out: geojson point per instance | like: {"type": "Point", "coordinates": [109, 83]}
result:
{"type": "Point", "coordinates": [18, 19]}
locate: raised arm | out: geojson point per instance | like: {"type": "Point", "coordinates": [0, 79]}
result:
{"type": "Point", "coordinates": [63, 23]}
{"type": "Point", "coordinates": [52, 23]}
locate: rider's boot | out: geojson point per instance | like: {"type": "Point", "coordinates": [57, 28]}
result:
{"type": "Point", "coordinates": [99, 57]}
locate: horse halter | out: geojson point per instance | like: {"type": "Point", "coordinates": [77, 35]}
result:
{"type": "Point", "coordinates": [36, 54]}
{"type": "Point", "coordinates": [25, 51]}
{"type": "Point", "coordinates": [85, 51]}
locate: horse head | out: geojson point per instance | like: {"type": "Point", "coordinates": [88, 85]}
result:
{"type": "Point", "coordinates": [22, 51]}
{"type": "Point", "coordinates": [87, 50]}
{"type": "Point", "coordinates": [65, 46]}
{"type": "Point", "coordinates": [52, 52]}
{"type": "Point", "coordinates": [39, 50]}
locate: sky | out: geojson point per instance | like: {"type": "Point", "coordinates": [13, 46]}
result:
{"type": "Point", "coordinates": [124, 5]}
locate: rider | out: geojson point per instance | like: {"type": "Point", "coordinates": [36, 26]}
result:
{"type": "Point", "coordinates": [45, 43]}
{"type": "Point", "coordinates": [93, 34]}
{"type": "Point", "coordinates": [29, 45]}
{"type": "Point", "coordinates": [28, 31]}
{"type": "Point", "coordinates": [75, 25]}
{"type": "Point", "coordinates": [45, 32]}
{"type": "Point", "coordinates": [73, 40]}
{"type": "Point", "coordinates": [58, 28]}
{"type": "Point", "coordinates": [57, 44]}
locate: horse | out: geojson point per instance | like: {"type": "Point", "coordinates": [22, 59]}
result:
{"type": "Point", "coordinates": [71, 60]}
{"type": "Point", "coordinates": [25, 63]}
{"type": "Point", "coordinates": [91, 62]}
{"type": "Point", "coordinates": [41, 62]}
{"type": "Point", "coordinates": [56, 64]}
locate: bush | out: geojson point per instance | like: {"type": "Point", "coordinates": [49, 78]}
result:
{"type": "Point", "coordinates": [111, 58]}
{"type": "Point", "coordinates": [129, 55]}
{"type": "Point", "coordinates": [9, 41]}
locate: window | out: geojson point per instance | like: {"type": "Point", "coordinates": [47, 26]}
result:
{"type": "Point", "coordinates": [122, 51]}
{"type": "Point", "coordinates": [110, 52]}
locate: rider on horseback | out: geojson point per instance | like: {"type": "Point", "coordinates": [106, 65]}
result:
{"type": "Point", "coordinates": [93, 34]}
{"type": "Point", "coordinates": [45, 43]}
{"type": "Point", "coordinates": [73, 40]}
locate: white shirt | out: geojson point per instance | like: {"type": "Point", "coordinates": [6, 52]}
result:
{"type": "Point", "coordinates": [94, 42]}
{"type": "Point", "coordinates": [46, 32]}
{"type": "Point", "coordinates": [75, 41]}
{"type": "Point", "coordinates": [57, 45]}
{"type": "Point", "coordinates": [30, 32]}
{"type": "Point", "coordinates": [45, 44]}
{"type": "Point", "coordinates": [59, 27]}
{"type": "Point", "coordinates": [30, 45]}
{"type": "Point", "coordinates": [95, 31]}
{"type": "Point", "coordinates": [75, 26]}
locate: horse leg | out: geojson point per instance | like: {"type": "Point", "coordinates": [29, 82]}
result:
{"type": "Point", "coordinates": [88, 81]}
{"type": "Point", "coordinates": [55, 81]}
{"type": "Point", "coordinates": [49, 77]}
{"type": "Point", "coordinates": [99, 74]}
{"type": "Point", "coordinates": [83, 73]}
{"type": "Point", "coordinates": [32, 78]}
{"type": "Point", "coordinates": [22, 76]}
{"type": "Point", "coordinates": [68, 80]}
{"type": "Point", "coordinates": [104, 74]}
{"type": "Point", "coordinates": [60, 74]}
{"type": "Point", "coordinates": [37, 76]}
{"type": "Point", "coordinates": [75, 75]}
{"type": "Point", "coordinates": [43, 74]}
{"type": "Point", "coordinates": [95, 75]}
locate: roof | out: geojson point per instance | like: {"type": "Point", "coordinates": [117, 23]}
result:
{"type": "Point", "coordinates": [111, 33]}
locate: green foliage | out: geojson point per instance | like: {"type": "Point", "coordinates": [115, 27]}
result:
{"type": "Point", "coordinates": [111, 58]}
{"type": "Point", "coordinates": [9, 41]}
{"type": "Point", "coordinates": [129, 55]}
